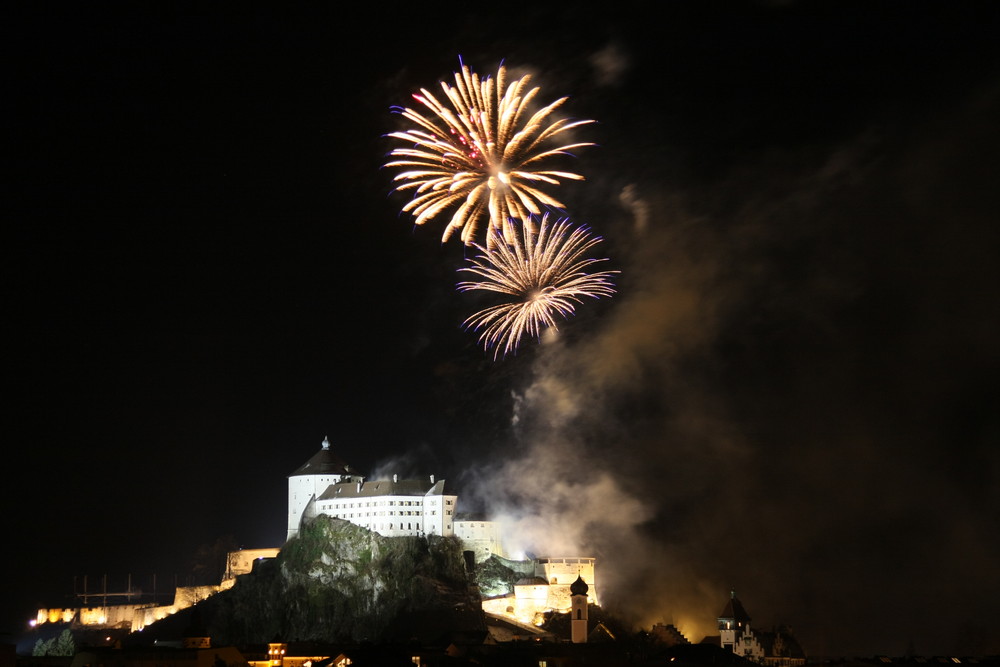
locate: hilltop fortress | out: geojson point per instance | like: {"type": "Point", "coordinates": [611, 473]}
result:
{"type": "Point", "coordinates": [524, 597]}
{"type": "Point", "coordinates": [325, 485]}
{"type": "Point", "coordinates": [419, 507]}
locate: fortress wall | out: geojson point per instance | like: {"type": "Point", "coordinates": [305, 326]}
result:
{"type": "Point", "coordinates": [241, 562]}
{"type": "Point", "coordinates": [186, 596]}
{"type": "Point", "coordinates": [481, 537]}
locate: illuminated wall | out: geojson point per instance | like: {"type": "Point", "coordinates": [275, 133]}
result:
{"type": "Point", "coordinates": [241, 562]}
{"type": "Point", "coordinates": [549, 590]}
{"type": "Point", "coordinates": [131, 616]}
{"type": "Point", "coordinates": [135, 617]}
{"type": "Point", "coordinates": [481, 537]}
{"type": "Point", "coordinates": [565, 571]}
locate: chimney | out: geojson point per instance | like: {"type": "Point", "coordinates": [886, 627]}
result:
{"type": "Point", "coordinates": [432, 479]}
{"type": "Point", "coordinates": [395, 478]}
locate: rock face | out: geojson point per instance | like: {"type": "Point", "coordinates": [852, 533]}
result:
{"type": "Point", "coordinates": [339, 582]}
{"type": "Point", "coordinates": [497, 576]}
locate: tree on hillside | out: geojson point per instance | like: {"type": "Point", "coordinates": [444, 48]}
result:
{"type": "Point", "coordinates": [61, 645]}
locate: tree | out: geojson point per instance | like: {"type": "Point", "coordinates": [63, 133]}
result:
{"type": "Point", "coordinates": [61, 645]}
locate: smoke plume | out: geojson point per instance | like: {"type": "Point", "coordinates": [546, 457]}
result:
{"type": "Point", "coordinates": [750, 412]}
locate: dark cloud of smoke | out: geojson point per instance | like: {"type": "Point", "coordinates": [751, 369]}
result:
{"type": "Point", "coordinates": [792, 395]}
{"type": "Point", "coordinates": [419, 461]}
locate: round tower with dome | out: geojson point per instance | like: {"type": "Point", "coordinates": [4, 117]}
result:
{"type": "Point", "coordinates": [311, 479]}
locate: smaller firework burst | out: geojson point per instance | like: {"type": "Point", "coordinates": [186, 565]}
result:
{"type": "Point", "coordinates": [544, 269]}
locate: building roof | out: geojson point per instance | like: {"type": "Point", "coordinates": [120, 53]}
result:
{"type": "Point", "coordinates": [403, 487]}
{"type": "Point", "coordinates": [324, 462]}
{"type": "Point", "coordinates": [579, 587]}
{"type": "Point", "coordinates": [669, 635]}
{"type": "Point", "coordinates": [780, 643]}
{"type": "Point", "coordinates": [734, 610]}
{"type": "Point", "coordinates": [531, 581]}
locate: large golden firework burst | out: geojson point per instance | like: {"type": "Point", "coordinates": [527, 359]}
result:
{"type": "Point", "coordinates": [544, 269]}
{"type": "Point", "coordinates": [479, 152]}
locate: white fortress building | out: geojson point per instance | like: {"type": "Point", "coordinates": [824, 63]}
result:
{"type": "Point", "coordinates": [394, 508]}
{"type": "Point", "coordinates": [326, 485]}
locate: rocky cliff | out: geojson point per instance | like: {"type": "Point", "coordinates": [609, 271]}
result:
{"type": "Point", "coordinates": [340, 582]}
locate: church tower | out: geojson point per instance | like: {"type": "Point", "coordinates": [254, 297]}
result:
{"type": "Point", "coordinates": [311, 479]}
{"type": "Point", "coordinates": [578, 611]}
{"type": "Point", "coordinates": [733, 622]}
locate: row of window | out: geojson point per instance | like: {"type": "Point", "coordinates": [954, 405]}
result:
{"type": "Point", "coordinates": [338, 514]}
{"type": "Point", "coordinates": [381, 527]}
{"type": "Point", "coordinates": [394, 503]}
{"type": "Point", "coordinates": [358, 515]}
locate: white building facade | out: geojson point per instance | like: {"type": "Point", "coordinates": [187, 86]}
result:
{"type": "Point", "coordinates": [393, 508]}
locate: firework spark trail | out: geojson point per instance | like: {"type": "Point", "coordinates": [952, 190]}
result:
{"type": "Point", "coordinates": [479, 155]}
{"type": "Point", "coordinates": [544, 268]}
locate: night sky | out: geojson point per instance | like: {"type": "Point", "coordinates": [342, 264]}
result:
{"type": "Point", "coordinates": [793, 394]}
